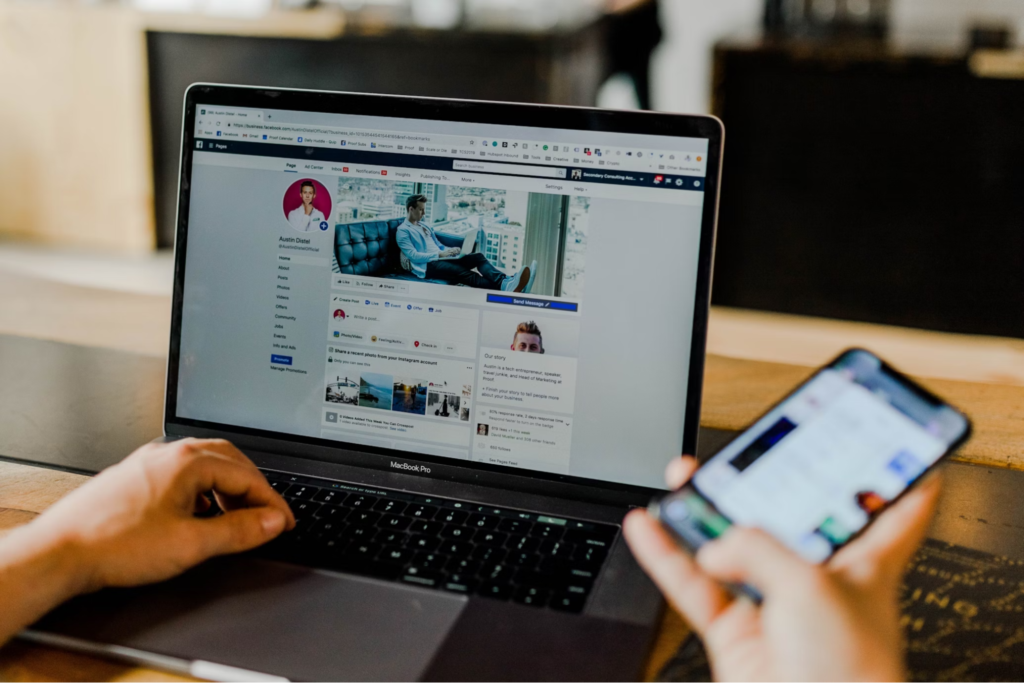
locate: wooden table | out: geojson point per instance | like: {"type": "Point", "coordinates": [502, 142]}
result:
{"type": "Point", "coordinates": [983, 375]}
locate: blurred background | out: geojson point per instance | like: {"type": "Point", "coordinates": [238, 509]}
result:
{"type": "Point", "coordinates": [874, 164]}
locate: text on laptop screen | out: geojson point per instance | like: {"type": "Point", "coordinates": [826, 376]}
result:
{"type": "Point", "coordinates": [506, 295]}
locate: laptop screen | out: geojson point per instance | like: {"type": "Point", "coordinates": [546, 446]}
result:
{"type": "Point", "coordinates": [502, 295]}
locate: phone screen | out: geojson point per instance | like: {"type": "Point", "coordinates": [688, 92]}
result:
{"type": "Point", "coordinates": [815, 469]}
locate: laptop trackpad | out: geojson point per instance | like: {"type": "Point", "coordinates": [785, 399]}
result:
{"type": "Point", "coordinates": [272, 618]}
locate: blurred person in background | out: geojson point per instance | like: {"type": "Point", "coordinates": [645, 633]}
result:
{"type": "Point", "coordinates": [633, 31]}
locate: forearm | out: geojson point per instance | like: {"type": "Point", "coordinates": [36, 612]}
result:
{"type": "Point", "coordinates": [37, 573]}
{"type": "Point", "coordinates": [420, 257]}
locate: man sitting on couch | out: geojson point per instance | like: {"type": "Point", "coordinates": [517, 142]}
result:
{"type": "Point", "coordinates": [426, 258]}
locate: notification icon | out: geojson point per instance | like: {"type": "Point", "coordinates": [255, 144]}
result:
{"type": "Point", "coordinates": [658, 179]}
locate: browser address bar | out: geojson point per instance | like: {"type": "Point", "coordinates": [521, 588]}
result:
{"type": "Point", "coordinates": [509, 169]}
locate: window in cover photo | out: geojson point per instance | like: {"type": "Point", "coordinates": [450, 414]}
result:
{"type": "Point", "coordinates": [510, 229]}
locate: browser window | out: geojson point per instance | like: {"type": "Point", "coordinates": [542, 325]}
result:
{"type": "Point", "coordinates": [496, 294]}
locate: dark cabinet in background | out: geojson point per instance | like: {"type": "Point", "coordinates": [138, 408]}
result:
{"type": "Point", "coordinates": [867, 185]}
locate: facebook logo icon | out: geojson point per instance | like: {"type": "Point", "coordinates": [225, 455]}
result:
{"type": "Point", "coordinates": [300, 138]}
{"type": "Point", "coordinates": [218, 133]}
{"type": "Point", "coordinates": [264, 137]}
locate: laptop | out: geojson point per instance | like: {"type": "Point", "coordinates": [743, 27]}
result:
{"type": "Point", "coordinates": [459, 458]}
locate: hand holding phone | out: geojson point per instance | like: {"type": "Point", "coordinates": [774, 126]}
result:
{"type": "Point", "coordinates": [836, 621]}
{"type": "Point", "coordinates": [818, 467]}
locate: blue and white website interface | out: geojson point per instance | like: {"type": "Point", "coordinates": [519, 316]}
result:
{"type": "Point", "coordinates": [506, 295]}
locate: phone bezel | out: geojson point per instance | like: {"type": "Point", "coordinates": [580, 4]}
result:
{"type": "Point", "coordinates": [905, 380]}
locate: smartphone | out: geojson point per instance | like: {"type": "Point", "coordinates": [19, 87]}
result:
{"type": "Point", "coordinates": [817, 468]}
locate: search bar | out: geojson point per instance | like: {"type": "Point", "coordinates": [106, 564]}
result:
{"type": "Point", "coordinates": [508, 169]}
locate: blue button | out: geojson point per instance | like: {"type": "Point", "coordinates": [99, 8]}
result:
{"type": "Point", "coordinates": [529, 302]}
{"type": "Point", "coordinates": [323, 225]}
{"type": "Point", "coordinates": [280, 360]}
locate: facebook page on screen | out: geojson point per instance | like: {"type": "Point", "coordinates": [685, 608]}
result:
{"type": "Point", "coordinates": [499, 294]}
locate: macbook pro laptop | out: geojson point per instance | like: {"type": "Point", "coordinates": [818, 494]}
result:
{"type": "Point", "coordinates": [459, 458]}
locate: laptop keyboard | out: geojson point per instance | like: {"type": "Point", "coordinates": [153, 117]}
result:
{"type": "Point", "coordinates": [451, 545]}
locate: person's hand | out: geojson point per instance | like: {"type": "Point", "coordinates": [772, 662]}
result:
{"type": "Point", "coordinates": [135, 522]}
{"type": "Point", "coordinates": [455, 251]}
{"type": "Point", "coordinates": [837, 621]}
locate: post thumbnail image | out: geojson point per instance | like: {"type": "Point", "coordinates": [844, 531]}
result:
{"type": "Point", "coordinates": [515, 241]}
{"type": "Point", "coordinates": [400, 394]}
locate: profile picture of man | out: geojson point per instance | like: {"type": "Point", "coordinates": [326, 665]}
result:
{"type": "Point", "coordinates": [339, 314]}
{"type": "Point", "coordinates": [482, 429]}
{"type": "Point", "coordinates": [528, 338]}
{"type": "Point", "coordinates": [306, 217]}
{"type": "Point", "coordinates": [577, 174]}
{"type": "Point", "coordinates": [424, 256]}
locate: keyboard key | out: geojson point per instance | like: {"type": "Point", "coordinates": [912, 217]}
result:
{"type": "Point", "coordinates": [553, 565]}
{"type": "Point", "coordinates": [528, 577]}
{"type": "Point", "coordinates": [487, 510]}
{"type": "Point", "coordinates": [426, 528]}
{"type": "Point", "coordinates": [302, 525]}
{"type": "Point", "coordinates": [421, 511]}
{"type": "Point", "coordinates": [394, 522]}
{"type": "Point", "coordinates": [460, 583]}
{"type": "Point", "coordinates": [326, 529]}
{"type": "Point", "coordinates": [360, 502]}
{"type": "Point", "coordinates": [550, 531]}
{"type": "Point", "coordinates": [430, 560]}
{"type": "Point", "coordinates": [305, 508]}
{"type": "Point", "coordinates": [590, 538]}
{"type": "Point", "coordinates": [576, 587]}
{"type": "Point", "coordinates": [515, 526]}
{"type": "Point", "coordinates": [488, 554]}
{"type": "Point", "coordinates": [359, 533]}
{"type": "Point", "coordinates": [455, 548]}
{"type": "Point", "coordinates": [336, 546]}
{"type": "Point", "coordinates": [495, 590]}
{"type": "Point", "coordinates": [426, 543]}
{"type": "Point", "coordinates": [363, 551]}
{"type": "Point", "coordinates": [423, 577]}
{"type": "Point", "coordinates": [397, 555]}
{"type": "Point", "coordinates": [523, 544]}
{"type": "Point", "coordinates": [386, 537]}
{"type": "Point", "coordinates": [364, 517]}
{"type": "Point", "coordinates": [278, 485]}
{"type": "Point", "coordinates": [589, 555]}
{"type": "Point", "coordinates": [497, 572]}
{"type": "Point", "coordinates": [483, 522]}
{"type": "Point", "coordinates": [524, 560]}
{"type": "Point", "coordinates": [301, 491]}
{"type": "Point", "coordinates": [329, 496]}
{"type": "Point", "coordinates": [452, 516]}
{"type": "Point", "coordinates": [463, 565]}
{"type": "Point", "coordinates": [388, 505]}
{"type": "Point", "coordinates": [605, 531]}
{"type": "Point", "coordinates": [567, 602]}
{"type": "Point", "coordinates": [457, 533]}
{"type": "Point", "coordinates": [582, 573]}
{"type": "Point", "coordinates": [333, 513]}
{"type": "Point", "coordinates": [558, 550]}
{"type": "Point", "coordinates": [535, 596]}
{"type": "Point", "coordinates": [495, 538]}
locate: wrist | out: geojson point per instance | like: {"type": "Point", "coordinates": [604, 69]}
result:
{"type": "Point", "coordinates": [36, 575]}
{"type": "Point", "coordinates": [57, 563]}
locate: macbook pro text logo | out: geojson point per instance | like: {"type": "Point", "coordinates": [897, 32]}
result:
{"type": "Point", "coordinates": [419, 469]}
